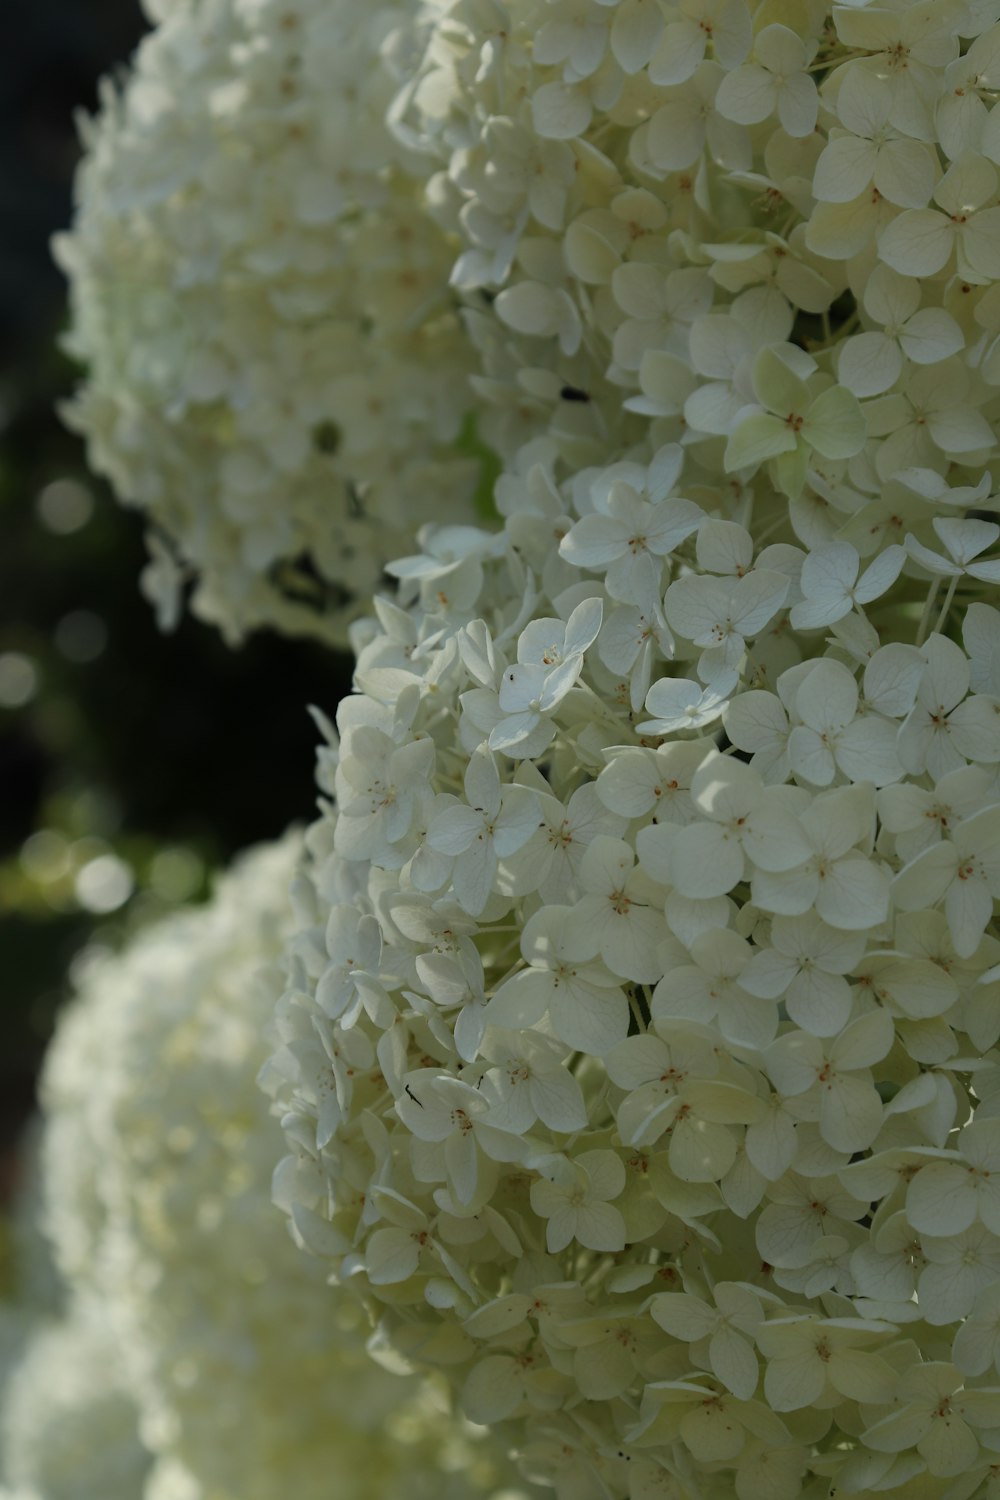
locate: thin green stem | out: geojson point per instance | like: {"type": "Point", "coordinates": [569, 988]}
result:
{"type": "Point", "coordinates": [636, 1012]}
{"type": "Point", "coordinates": [823, 63]}
{"type": "Point", "coordinates": [771, 528]}
{"type": "Point", "coordinates": [925, 618]}
{"type": "Point", "coordinates": [946, 606]}
{"type": "Point", "coordinates": [830, 338]}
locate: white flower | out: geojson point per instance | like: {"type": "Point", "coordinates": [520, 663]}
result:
{"type": "Point", "coordinates": [805, 966]}
{"type": "Point", "coordinates": [626, 538]}
{"type": "Point", "coordinates": [848, 890]}
{"type": "Point", "coordinates": [818, 1075]}
{"type": "Point", "coordinates": [721, 614]}
{"type": "Point", "coordinates": [935, 1415]}
{"type": "Point", "coordinates": [723, 347]}
{"type": "Point", "coordinates": [963, 872]}
{"type": "Point", "coordinates": [674, 1088]}
{"type": "Point", "coordinates": [945, 1197]}
{"type": "Point", "coordinates": [945, 727]}
{"type": "Point", "coordinates": [800, 1211]}
{"type": "Point", "coordinates": [499, 1384]}
{"type": "Point", "coordinates": [832, 588]}
{"type": "Point", "coordinates": [448, 569]}
{"type": "Point", "coordinates": [921, 241]}
{"type": "Point", "coordinates": [528, 1082]}
{"type": "Point", "coordinates": [786, 270]}
{"type": "Point", "coordinates": [798, 417]}
{"type": "Point", "coordinates": [689, 120]}
{"type": "Point", "coordinates": [935, 413]}
{"type": "Point", "coordinates": [918, 818]}
{"type": "Point", "coordinates": [724, 23]}
{"type": "Point", "coordinates": [522, 168]}
{"type": "Point", "coordinates": [743, 824]}
{"type": "Point", "coordinates": [573, 1196]}
{"type": "Point", "coordinates": [977, 1342]}
{"type": "Point", "coordinates": [678, 703]}
{"type": "Point", "coordinates": [710, 990]}
{"type": "Point", "coordinates": [872, 362]}
{"type": "Point", "coordinates": [831, 738]}
{"type": "Point", "coordinates": [379, 782]}
{"type": "Point", "coordinates": [961, 112]}
{"type": "Point", "coordinates": [353, 943]}
{"type": "Point", "coordinates": [549, 660]}
{"type": "Point", "coordinates": [868, 150]}
{"type": "Point", "coordinates": [617, 915]}
{"type": "Point", "coordinates": [635, 782]}
{"type": "Point", "coordinates": [728, 1328]}
{"type": "Point", "coordinates": [447, 1113]}
{"type": "Point", "coordinates": [584, 1000]}
{"type": "Point", "coordinates": [628, 646]}
{"type": "Point", "coordinates": [774, 81]}
{"type": "Point", "coordinates": [925, 36]}
{"type": "Point", "coordinates": [806, 1356]}
{"type": "Point", "coordinates": [492, 822]}
{"type": "Point", "coordinates": [553, 857]}
{"type": "Point", "coordinates": [959, 1266]}
{"type": "Point", "coordinates": [887, 1268]}
{"type": "Point", "coordinates": [963, 541]}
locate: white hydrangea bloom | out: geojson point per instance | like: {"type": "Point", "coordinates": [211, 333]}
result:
{"type": "Point", "coordinates": [681, 1163]}
{"type": "Point", "coordinates": [670, 1067]}
{"type": "Point", "coordinates": [258, 293]}
{"type": "Point", "coordinates": [70, 1424]}
{"type": "Point", "coordinates": [250, 1376]}
{"type": "Point", "coordinates": [638, 1051]}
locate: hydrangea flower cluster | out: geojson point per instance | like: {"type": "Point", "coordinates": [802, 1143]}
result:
{"type": "Point", "coordinates": [252, 1381]}
{"type": "Point", "coordinates": [257, 293]}
{"type": "Point", "coordinates": [70, 1427]}
{"type": "Point", "coordinates": [651, 196]}
{"type": "Point", "coordinates": [69, 1424]}
{"type": "Point", "coordinates": [639, 1057]}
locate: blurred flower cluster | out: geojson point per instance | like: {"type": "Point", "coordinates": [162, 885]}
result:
{"type": "Point", "coordinates": [197, 1355]}
{"type": "Point", "coordinates": [258, 295]}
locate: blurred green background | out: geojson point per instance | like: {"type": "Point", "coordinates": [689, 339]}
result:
{"type": "Point", "coordinates": [131, 764]}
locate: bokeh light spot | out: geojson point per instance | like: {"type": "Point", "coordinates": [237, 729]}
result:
{"type": "Point", "coordinates": [104, 884]}
{"type": "Point", "coordinates": [65, 506]}
{"type": "Point", "coordinates": [81, 636]}
{"type": "Point", "coordinates": [45, 856]}
{"type": "Point", "coordinates": [18, 679]}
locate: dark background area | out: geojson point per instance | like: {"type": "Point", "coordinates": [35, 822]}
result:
{"type": "Point", "coordinates": [132, 764]}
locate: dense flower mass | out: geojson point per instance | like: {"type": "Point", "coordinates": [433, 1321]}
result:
{"type": "Point", "coordinates": [639, 1056]}
{"type": "Point", "coordinates": [251, 1378]}
{"type": "Point", "coordinates": [258, 293]}
{"type": "Point", "coordinates": [70, 1427]}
